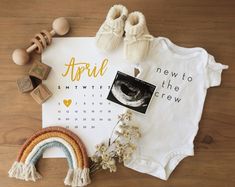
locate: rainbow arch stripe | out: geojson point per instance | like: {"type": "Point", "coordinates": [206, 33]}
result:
{"type": "Point", "coordinates": [24, 166]}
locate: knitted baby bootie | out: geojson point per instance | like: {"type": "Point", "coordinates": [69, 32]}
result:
{"type": "Point", "coordinates": [111, 31]}
{"type": "Point", "coordinates": [137, 38]}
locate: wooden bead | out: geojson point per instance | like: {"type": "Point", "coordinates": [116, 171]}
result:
{"type": "Point", "coordinates": [40, 70]}
{"type": "Point", "coordinates": [25, 84]}
{"type": "Point", "coordinates": [41, 93]}
{"type": "Point", "coordinates": [61, 26]}
{"type": "Point", "coordinates": [20, 56]}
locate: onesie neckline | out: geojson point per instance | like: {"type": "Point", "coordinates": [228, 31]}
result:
{"type": "Point", "coordinates": [178, 51]}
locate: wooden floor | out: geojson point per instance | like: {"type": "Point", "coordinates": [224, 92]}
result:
{"type": "Point", "coordinates": [209, 24]}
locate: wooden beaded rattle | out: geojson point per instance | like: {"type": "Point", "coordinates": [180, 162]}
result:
{"type": "Point", "coordinates": [41, 41]}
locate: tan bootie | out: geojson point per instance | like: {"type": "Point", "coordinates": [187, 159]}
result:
{"type": "Point", "coordinates": [137, 38]}
{"type": "Point", "coordinates": [111, 31]}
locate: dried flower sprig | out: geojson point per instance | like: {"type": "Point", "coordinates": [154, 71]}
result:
{"type": "Point", "coordinates": [120, 149]}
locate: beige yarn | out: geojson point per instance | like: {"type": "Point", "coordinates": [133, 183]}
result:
{"type": "Point", "coordinates": [137, 39]}
{"type": "Point", "coordinates": [111, 31]}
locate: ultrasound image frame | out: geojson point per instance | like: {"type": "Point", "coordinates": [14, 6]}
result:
{"type": "Point", "coordinates": [131, 92]}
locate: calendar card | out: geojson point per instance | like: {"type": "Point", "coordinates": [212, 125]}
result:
{"type": "Point", "coordinates": [80, 80]}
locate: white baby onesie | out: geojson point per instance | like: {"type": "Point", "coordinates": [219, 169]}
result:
{"type": "Point", "coordinates": [182, 76]}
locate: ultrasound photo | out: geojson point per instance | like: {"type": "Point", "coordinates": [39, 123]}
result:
{"type": "Point", "coordinates": [131, 92]}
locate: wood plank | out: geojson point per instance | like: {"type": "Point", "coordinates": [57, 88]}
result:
{"type": "Point", "coordinates": [208, 24]}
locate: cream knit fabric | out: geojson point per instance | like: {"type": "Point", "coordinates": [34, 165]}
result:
{"type": "Point", "coordinates": [111, 31]}
{"type": "Point", "coordinates": [137, 38]}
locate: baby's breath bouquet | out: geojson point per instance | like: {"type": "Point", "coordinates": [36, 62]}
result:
{"type": "Point", "coordinates": [120, 149]}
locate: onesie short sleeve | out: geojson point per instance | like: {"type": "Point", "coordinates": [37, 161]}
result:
{"type": "Point", "coordinates": [214, 72]}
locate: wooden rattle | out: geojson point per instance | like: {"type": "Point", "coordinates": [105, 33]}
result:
{"type": "Point", "coordinates": [41, 41]}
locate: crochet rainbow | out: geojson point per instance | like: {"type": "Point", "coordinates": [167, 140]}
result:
{"type": "Point", "coordinates": [24, 166]}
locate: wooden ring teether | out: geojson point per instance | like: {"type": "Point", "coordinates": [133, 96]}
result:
{"type": "Point", "coordinates": [41, 41]}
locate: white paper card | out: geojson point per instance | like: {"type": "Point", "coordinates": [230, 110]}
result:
{"type": "Point", "coordinates": [80, 80]}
